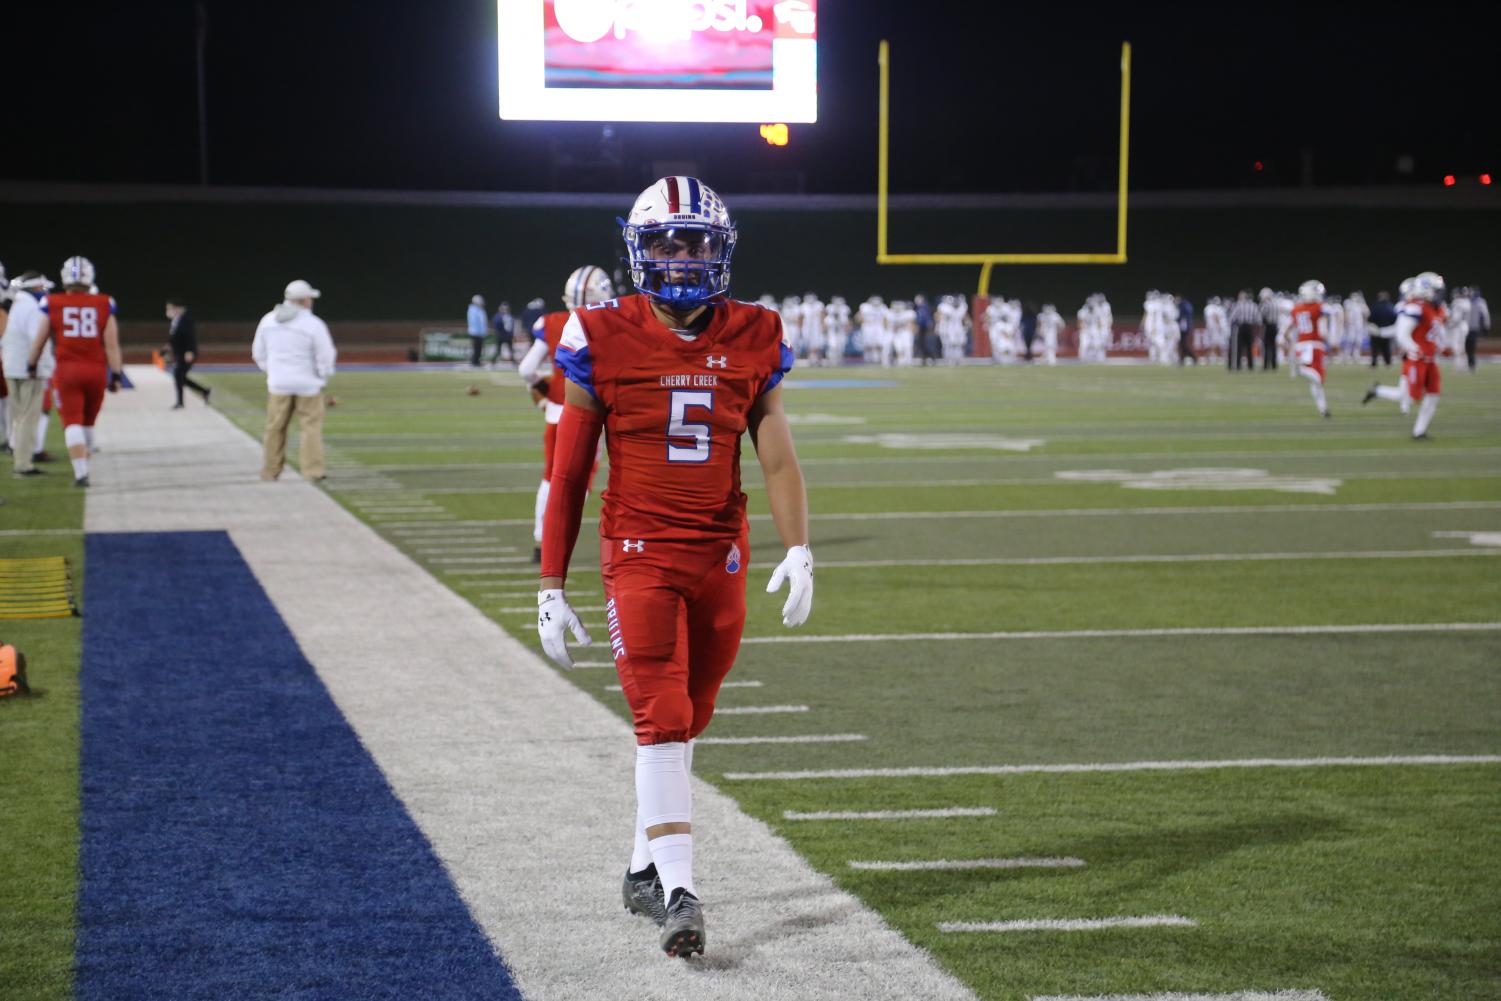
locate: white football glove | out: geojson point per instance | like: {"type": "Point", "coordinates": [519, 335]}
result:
{"type": "Point", "coordinates": [555, 617]}
{"type": "Point", "coordinates": [798, 569]}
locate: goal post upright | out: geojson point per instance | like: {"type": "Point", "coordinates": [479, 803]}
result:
{"type": "Point", "coordinates": [988, 261]}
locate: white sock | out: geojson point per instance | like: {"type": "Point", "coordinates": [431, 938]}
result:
{"type": "Point", "coordinates": [541, 509]}
{"type": "Point", "coordinates": [673, 854]}
{"type": "Point", "coordinates": [80, 468]}
{"type": "Point", "coordinates": [664, 797]}
{"type": "Point", "coordinates": [41, 431]}
{"type": "Point", "coordinates": [88, 437]}
{"type": "Point", "coordinates": [1318, 396]}
{"type": "Point", "coordinates": [640, 852]}
{"type": "Point", "coordinates": [1394, 393]}
{"type": "Point", "coordinates": [1425, 414]}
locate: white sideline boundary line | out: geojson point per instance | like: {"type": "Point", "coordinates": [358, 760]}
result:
{"type": "Point", "coordinates": [1121, 766]}
{"type": "Point", "coordinates": [1293, 995]}
{"type": "Point", "coordinates": [934, 814]}
{"type": "Point", "coordinates": [1068, 924]}
{"type": "Point", "coordinates": [349, 597]}
{"type": "Point", "coordinates": [936, 865]}
{"type": "Point", "coordinates": [1085, 634]}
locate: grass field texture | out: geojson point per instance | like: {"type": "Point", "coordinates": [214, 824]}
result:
{"type": "Point", "coordinates": [953, 509]}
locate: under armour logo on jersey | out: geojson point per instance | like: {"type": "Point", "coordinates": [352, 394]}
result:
{"type": "Point", "coordinates": [717, 361]}
{"type": "Point", "coordinates": [633, 545]}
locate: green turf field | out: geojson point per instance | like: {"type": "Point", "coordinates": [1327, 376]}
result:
{"type": "Point", "coordinates": [951, 504]}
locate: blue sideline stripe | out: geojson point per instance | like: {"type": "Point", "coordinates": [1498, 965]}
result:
{"type": "Point", "coordinates": [237, 840]}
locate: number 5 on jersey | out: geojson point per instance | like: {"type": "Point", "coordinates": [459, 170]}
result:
{"type": "Point", "coordinates": [677, 427]}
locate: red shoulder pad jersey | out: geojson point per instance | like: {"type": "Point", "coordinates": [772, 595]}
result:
{"type": "Point", "coordinates": [1306, 316]}
{"type": "Point", "coordinates": [1430, 322]}
{"type": "Point", "coordinates": [78, 320]}
{"type": "Point", "coordinates": [552, 333]}
{"type": "Point", "coordinates": [674, 411]}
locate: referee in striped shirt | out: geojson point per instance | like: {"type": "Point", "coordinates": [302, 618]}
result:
{"type": "Point", "coordinates": [1245, 317]}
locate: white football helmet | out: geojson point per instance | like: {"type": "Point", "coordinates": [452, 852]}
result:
{"type": "Point", "coordinates": [1405, 289]}
{"type": "Point", "coordinates": [679, 239]}
{"type": "Point", "coordinates": [586, 286]}
{"type": "Point", "coordinates": [77, 271]}
{"type": "Point", "coordinates": [1429, 286]}
{"type": "Point", "coordinates": [1311, 291]}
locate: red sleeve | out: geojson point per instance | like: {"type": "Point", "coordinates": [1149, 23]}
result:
{"type": "Point", "coordinates": [573, 461]}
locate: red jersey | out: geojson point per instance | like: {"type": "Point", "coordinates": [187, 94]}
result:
{"type": "Point", "coordinates": [552, 332]}
{"type": "Point", "coordinates": [1428, 325]}
{"type": "Point", "coordinates": [78, 320]}
{"type": "Point", "coordinates": [675, 409]}
{"type": "Point", "coordinates": [1306, 316]}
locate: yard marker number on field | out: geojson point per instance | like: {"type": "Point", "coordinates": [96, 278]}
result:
{"type": "Point", "coordinates": [1068, 924]}
{"type": "Point", "coordinates": [937, 814]}
{"type": "Point", "coordinates": [934, 865]}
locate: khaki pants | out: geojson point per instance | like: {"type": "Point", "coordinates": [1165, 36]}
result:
{"type": "Point", "coordinates": [25, 408]}
{"type": "Point", "coordinates": [279, 411]}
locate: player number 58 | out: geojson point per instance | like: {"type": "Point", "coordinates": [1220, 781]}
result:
{"type": "Point", "coordinates": [80, 321]}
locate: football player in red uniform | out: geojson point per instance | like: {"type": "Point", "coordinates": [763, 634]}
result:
{"type": "Point", "coordinates": [673, 376]}
{"type": "Point", "coordinates": [586, 286]}
{"type": "Point", "coordinates": [88, 356]}
{"type": "Point", "coordinates": [1312, 330]}
{"type": "Point", "coordinates": [1420, 330]}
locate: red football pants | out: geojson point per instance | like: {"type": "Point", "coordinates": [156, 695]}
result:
{"type": "Point", "coordinates": [80, 392]}
{"type": "Point", "coordinates": [675, 611]}
{"type": "Point", "coordinates": [1421, 376]}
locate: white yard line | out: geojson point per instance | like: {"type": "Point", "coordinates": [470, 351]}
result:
{"type": "Point", "coordinates": [724, 684]}
{"type": "Point", "coordinates": [935, 814]}
{"type": "Point", "coordinates": [456, 560]}
{"type": "Point", "coordinates": [1293, 995]}
{"type": "Point", "coordinates": [935, 865]}
{"type": "Point", "coordinates": [1153, 512]}
{"type": "Point", "coordinates": [440, 738]}
{"type": "Point", "coordinates": [1122, 766]}
{"type": "Point", "coordinates": [1040, 561]}
{"type": "Point", "coordinates": [1083, 634]}
{"type": "Point", "coordinates": [532, 609]}
{"type": "Point", "coordinates": [810, 738]}
{"type": "Point", "coordinates": [758, 710]}
{"type": "Point", "coordinates": [1068, 924]}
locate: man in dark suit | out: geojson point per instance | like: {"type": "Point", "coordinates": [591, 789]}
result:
{"type": "Point", "coordinates": [184, 342]}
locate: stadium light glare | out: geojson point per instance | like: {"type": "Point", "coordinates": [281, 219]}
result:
{"type": "Point", "coordinates": [1485, 179]}
{"type": "Point", "coordinates": [1449, 180]}
{"type": "Point", "coordinates": [775, 135]}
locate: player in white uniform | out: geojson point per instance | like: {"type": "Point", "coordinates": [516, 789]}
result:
{"type": "Point", "coordinates": [1049, 326]}
{"type": "Point", "coordinates": [1085, 331]}
{"type": "Point", "coordinates": [873, 339]}
{"type": "Point", "coordinates": [1104, 322]}
{"type": "Point", "coordinates": [903, 328]}
{"type": "Point", "coordinates": [1457, 328]}
{"type": "Point", "coordinates": [836, 327]}
{"type": "Point", "coordinates": [812, 325]}
{"type": "Point", "coordinates": [1357, 323]}
{"type": "Point", "coordinates": [950, 319]}
{"type": "Point", "coordinates": [1217, 327]}
{"type": "Point", "coordinates": [1334, 335]}
{"type": "Point", "coordinates": [792, 325]}
{"type": "Point", "coordinates": [1001, 348]}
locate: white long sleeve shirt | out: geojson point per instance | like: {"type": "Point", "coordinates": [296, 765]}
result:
{"type": "Point", "coordinates": [293, 347]}
{"type": "Point", "coordinates": [20, 333]}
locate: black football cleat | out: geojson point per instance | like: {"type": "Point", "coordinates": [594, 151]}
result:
{"type": "Point", "coordinates": [1370, 394]}
{"type": "Point", "coordinates": [683, 934]}
{"type": "Point", "coordinates": [1421, 437]}
{"type": "Point", "coordinates": [642, 893]}
{"type": "Point", "coordinates": [82, 482]}
{"type": "Point", "coordinates": [206, 394]}
{"type": "Point", "coordinates": [1326, 414]}
{"type": "Point", "coordinates": [41, 457]}
{"type": "Point", "coordinates": [33, 471]}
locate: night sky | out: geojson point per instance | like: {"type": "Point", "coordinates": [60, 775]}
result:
{"type": "Point", "coordinates": [986, 97]}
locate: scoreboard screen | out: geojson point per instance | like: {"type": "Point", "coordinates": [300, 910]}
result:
{"type": "Point", "coordinates": [659, 60]}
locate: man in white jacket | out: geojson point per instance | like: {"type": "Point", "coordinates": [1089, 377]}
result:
{"type": "Point", "coordinates": [294, 349]}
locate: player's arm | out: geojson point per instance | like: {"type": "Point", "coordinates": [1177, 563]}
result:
{"type": "Point", "coordinates": [112, 346]}
{"type": "Point", "coordinates": [43, 334]}
{"type": "Point", "coordinates": [573, 459]}
{"type": "Point", "coordinates": [531, 365]}
{"type": "Point", "coordinates": [1406, 324]}
{"type": "Point", "coordinates": [771, 435]}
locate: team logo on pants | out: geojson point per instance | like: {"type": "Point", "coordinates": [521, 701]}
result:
{"type": "Point", "coordinates": [732, 562]}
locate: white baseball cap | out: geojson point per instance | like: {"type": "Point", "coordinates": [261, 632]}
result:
{"type": "Point", "coordinates": [300, 289]}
